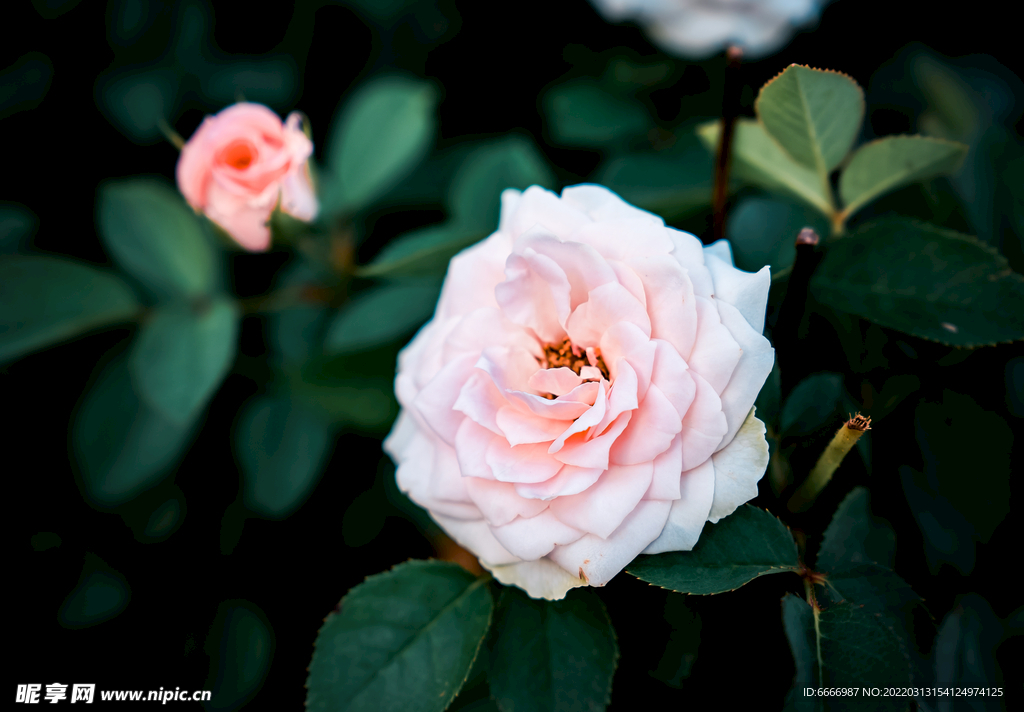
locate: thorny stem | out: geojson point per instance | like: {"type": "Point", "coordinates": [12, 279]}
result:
{"type": "Point", "coordinates": [845, 438]}
{"type": "Point", "coordinates": [730, 110]}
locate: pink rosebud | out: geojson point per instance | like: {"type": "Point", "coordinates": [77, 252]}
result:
{"type": "Point", "coordinates": [239, 162]}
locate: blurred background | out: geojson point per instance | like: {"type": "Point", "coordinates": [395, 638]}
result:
{"type": "Point", "coordinates": [185, 585]}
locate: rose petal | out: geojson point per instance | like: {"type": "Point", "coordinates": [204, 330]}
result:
{"type": "Point", "coordinates": [598, 560]}
{"type": "Point", "coordinates": [626, 341]}
{"type": "Point", "coordinates": [475, 535]}
{"type": "Point", "coordinates": [602, 204]}
{"type": "Point", "coordinates": [471, 443]}
{"type": "Point", "coordinates": [567, 407]}
{"type": "Point", "coordinates": [667, 468]}
{"type": "Point", "coordinates": [629, 279]}
{"type": "Point", "coordinates": [624, 239]}
{"type": "Point", "coordinates": [689, 512]}
{"type": "Point", "coordinates": [608, 304]}
{"type": "Point", "coordinates": [581, 264]}
{"type": "Point", "coordinates": [472, 276]}
{"type": "Point", "coordinates": [538, 206]}
{"type": "Point", "coordinates": [415, 476]}
{"type": "Point", "coordinates": [540, 579]}
{"type": "Point", "coordinates": [519, 427]}
{"type": "Point", "coordinates": [535, 294]}
{"type": "Point", "coordinates": [499, 502]}
{"type": "Point", "coordinates": [747, 291]}
{"type": "Point", "coordinates": [704, 424]}
{"type": "Point", "coordinates": [487, 328]}
{"type": "Point", "coordinates": [586, 421]}
{"type": "Point", "coordinates": [670, 301]}
{"type": "Point", "coordinates": [738, 468]}
{"type": "Point", "coordinates": [435, 402]}
{"type": "Point", "coordinates": [480, 400]}
{"type": "Point", "coordinates": [532, 538]}
{"type": "Point", "coordinates": [751, 372]}
{"type": "Point", "coordinates": [529, 462]}
{"type": "Point", "coordinates": [653, 427]}
{"type": "Point", "coordinates": [509, 368]}
{"type": "Point", "coordinates": [594, 452]}
{"type": "Point", "coordinates": [622, 398]}
{"type": "Point", "coordinates": [672, 376]}
{"type": "Point", "coordinates": [716, 353]}
{"type": "Point", "coordinates": [602, 507]}
{"type": "Point", "coordinates": [689, 253]}
{"type": "Point", "coordinates": [556, 381]}
{"type": "Point", "coordinates": [569, 480]}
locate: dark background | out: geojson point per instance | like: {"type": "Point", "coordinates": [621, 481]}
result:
{"type": "Point", "coordinates": [490, 62]}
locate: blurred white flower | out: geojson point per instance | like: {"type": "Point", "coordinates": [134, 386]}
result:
{"type": "Point", "coordinates": [699, 28]}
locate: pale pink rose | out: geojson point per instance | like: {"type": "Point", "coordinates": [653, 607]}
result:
{"type": "Point", "coordinates": [584, 391]}
{"type": "Point", "coordinates": [239, 163]}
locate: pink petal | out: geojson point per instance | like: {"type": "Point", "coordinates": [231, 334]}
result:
{"type": "Point", "coordinates": [509, 368]}
{"type": "Point", "coordinates": [629, 279]}
{"type": "Point", "coordinates": [626, 341]}
{"type": "Point", "coordinates": [704, 424]}
{"type": "Point", "coordinates": [298, 198]}
{"type": "Point", "coordinates": [487, 327]}
{"type": "Point", "coordinates": [601, 508]}
{"type": "Point", "coordinates": [716, 353]}
{"type": "Point", "coordinates": [670, 301]}
{"type": "Point", "coordinates": [569, 480]}
{"type": "Point", "coordinates": [608, 304]}
{"type": "Point", "coordinates": [588, 420]}
{"type": "Point", "coordinates": [446, 482]}
{"type": "Point", "coordinates": [600, 559]}
{"type": "Point", "coordinates": [650, 432]}
{"type": "Point", "coordinates": [751, 372]}
{"type": "Point", "coordinates": [593, 453]}
{"type": "Point", "coordinates": [529, 462]}
{"type": "Point", "coordinates": [535, 294]}
{"type": "Point", "coordinates": [519, 427]}
{"type": "Point", "coordinates": [591, 373]}
{"type": "Point", "coordinates": [557, 381]}
{"type": "Point", "coordinates": [499, 503]}
{"type": "Point", "coordinates": [582, 265]}
{"type": "Point", "coordinates": [534, 537]}
{"type": "Point", "coordinates": [475, 535]}
{"type": "Point", "coordinates": [480, 400]}
{"type": "Point", "coordinates": [602, 204]}
{"type": "Point", "coordinates": [567, 407]}
{"type": "Point", "coordinates": [538, 206]}
{"type": "Point", "coordinates": [667, 468]}
{"type": "Point", "coordinates": [472, 276]}
{"type": "Point", "coordinates": [689, 252]}
{"type": "Point", "coordinates": [471, 443]}
{"type": "Point", "coordinates": [437, 399]}
{"type": "Point", "coordinates": [672, 376]}
{"type": "Point", "coordinates": [689, 512]}
{"type": "Point", "coordinates": [622, 396]}
{"type": "Point", "coordinates": [415, 475]}
{"type": "Point", "coordinates": [624, 239]}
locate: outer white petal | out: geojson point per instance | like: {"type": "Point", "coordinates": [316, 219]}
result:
{"type": "Point", "coordinates": [722, 250]}
{"type": "Point", "coordinates": [688, 514]}
{"type": "Point", "coordinates": [602, 204]}
{"type": "Point", "coordinates": [542, 578]}
{"type": "Point", "coordinates": [598, 560]}
{"type": "Point", "coordinates": [747, 291]}
{"type": "Point", "coordinates": [476, 536]}
{"type": "Point", "coordinates": [755, 364]}
{"type": "Point", "coordinates": [738, 468]}
{"type": "Point", "coordinates": [509, 203]}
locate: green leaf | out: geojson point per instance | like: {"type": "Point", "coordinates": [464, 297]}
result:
{"type": "Point", "coordinates": [965, 650]}
{"type": "Point", "coordinates": [843, 645]}
{"type": "Point", "coordinates": [892, 162]}
{"type": "Point", "coordinates": [855, 537]}
{"type": "Point", "coordinates": [17, 225]}
{"type": "Point", "coordinates": [475, 191]}
{"type": "Point", "coordinates": [758, 159]}
{"type": "Point", "coordinates": [241, 648]}
{"type": "Point", "coordinates": [748, 543]}
{"type": "Point", "coordinates": [922, 280]}
{"type": "Point", "coordinates": [182, 355]}
{"type": "Point", "coordinates": [672, 185]}
{"type": "Point", "coordinates": [580, 113]}
{"type": "Point", "coordinates": [552, 655]}
{"type": "Point", "coordinates": [384, 130]}
{"type": "Point", "coordinates": [381, 314]}
{"type": "Point", "coordinates": [366, 403]}
{"type": "Point", "coordinates": [814, 114]}
{"type": "Point", "coordinates": [122, 446]}
{"type": "Point", "coordinates": [44, 300]}
{"type": "Point", "coordinates": [763, 231]}
{"type": "Point", "coordinates": [155, 236]}
{"type": "Point", "coordinates": [424, 251]}
{"type": "Point", "coordinates": [101, 594]}
{"type": "Point", "coordinates": [401, 640]}
{"type": "Point", "coordinates": [282, 448]}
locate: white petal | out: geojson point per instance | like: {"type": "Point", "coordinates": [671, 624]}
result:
{"type": "Point", "coordinates": [751, 372]}
{"type": "Point", "coordinates": [476, 536]}
{"type": "Point", "coordinates": [747, 291]}
{"type": "Point", "coordinates": [602, 204]}
{"type": "Point", "coordinates": [534, 537]}
{"type": "Point", "coordinates": [598, 560]}
{"type": "Point", "coordinates": [542, 578]}
{"type": "Point", "coordinates": [509, 203]}
{"type": "Point", "coordinates": [689, 512]}
{"type": "Point", "coordinates": [738, 468]}
{"type": "Point", "coordinates": [722, 250]}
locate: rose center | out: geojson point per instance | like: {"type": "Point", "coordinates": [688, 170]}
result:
{"type": "Point", "coordinates": [239, 154]}
{"type": "Point", "coordinates": [566, 354]}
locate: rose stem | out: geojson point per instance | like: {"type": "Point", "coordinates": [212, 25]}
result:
{"type": "Point", "coordinates": [845, 438]}
{"type": "Point", "coordinates": [791, 327]}
{"type": "Point", "coordinates": [730, 109]}
{"type": "Point", "coordinates": [170, 134]}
